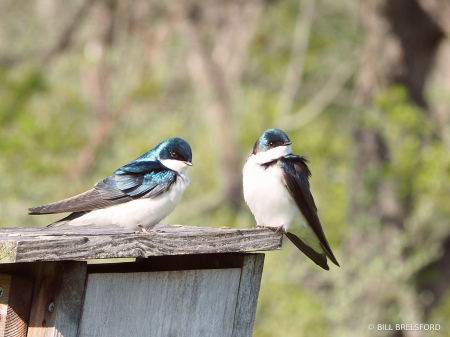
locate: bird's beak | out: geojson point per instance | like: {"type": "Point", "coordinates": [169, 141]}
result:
{"type": "Point", "coordinates": [287, 143]}
{"type": "Point", "coordinates": [188, 163]}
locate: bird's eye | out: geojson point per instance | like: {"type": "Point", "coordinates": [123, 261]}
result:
{"type": "Point", "coordinates": [174, 154]}
{"type": "Point", "coordinates": [271, 143]}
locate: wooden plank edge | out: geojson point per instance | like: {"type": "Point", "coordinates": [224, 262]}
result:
{"type": "Point", "coordinates": [249, 286]}
{"type": "Point", "coordinates": [82, 248]}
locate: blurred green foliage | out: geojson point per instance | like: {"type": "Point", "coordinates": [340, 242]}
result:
{"type": "Point", "coordinates": [46, 119]}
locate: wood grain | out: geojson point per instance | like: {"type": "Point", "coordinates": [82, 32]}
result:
{"type": "Point", "coordinates": [71, 297]}
{"type": "Point", "coordinates": [182, 303]}
{"type": "Point", "coordinates": [187, 295]}
{"type": "Point", "coordinates": [61, 284]}
{"type": "Point", "coordinates": [46, 290]}
{"type": "Point", "coordinates": [250, 281]}
{"type": "Point", "coordinates": [15, 304]}
{"type": "Point", "coordinates": [5, 283]}
{"type": "Point", "coordinates": [34, 244]}
{"type": "Point", "coordinates": [19, 305]}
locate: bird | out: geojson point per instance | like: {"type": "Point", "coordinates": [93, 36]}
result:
{"type": "Point", "coordinates": [137, 196]}
{"type": "Point", "coordinates": [277, 191]}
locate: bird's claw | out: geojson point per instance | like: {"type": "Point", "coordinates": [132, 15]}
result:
{"type": "Point", "coordinates": [279, 229]}
{"type": "Point", "coordinates": [142, 231]}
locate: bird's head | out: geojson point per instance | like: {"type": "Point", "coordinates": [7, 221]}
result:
{"type": "Point", "coordinates": [175, 153]}
{"type": "Point", "coordinates": [273, 144]}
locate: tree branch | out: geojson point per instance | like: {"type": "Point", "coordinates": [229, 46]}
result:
{"type": "Point", "coordinates": [66, 37]}
{"type": "Point", "coordinates": [295, 68]}
{"type": "Point", "coordinates": [215, 80]}
{"type": "Point", "coordinates": [320, 101]}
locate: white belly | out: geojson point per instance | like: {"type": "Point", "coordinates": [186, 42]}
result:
{"type": "Point", "coordinates": [271, 203]}
{"type": "Point", "coordinates": [144, 212]}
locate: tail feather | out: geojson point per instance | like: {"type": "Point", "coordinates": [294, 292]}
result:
{"type": "Point", "coordinates": [319, 259]}
{"type": "Point", "coordinates": [330, 255]}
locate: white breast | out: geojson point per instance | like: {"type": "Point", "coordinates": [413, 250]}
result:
{"type": "Point", "coordinates": [266, 195]}
{"type": "Point", "coordinates": [270, 201]}
{"type": "Point", "coordinates": [145, 212]}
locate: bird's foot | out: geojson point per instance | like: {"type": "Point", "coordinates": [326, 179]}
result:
{"type": "Point", "coordinates": [142, 231]}
{"type": "Point", "coordinates": [279, 229]}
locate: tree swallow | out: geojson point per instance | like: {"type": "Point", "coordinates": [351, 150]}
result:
{"type": "Point", "coordinates": [276, 189]}
{"type": "Point", "coordinates": [137, 195]}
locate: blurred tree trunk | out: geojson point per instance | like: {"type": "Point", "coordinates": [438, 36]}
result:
{"type": "Point", "coordinates": [408, 55]}
{"type": "Point", "coordinates": [439, 12]}
{"type": "Point", "coordinates": [96, 83]}
{"type": "Point", "coordinates": [65, 40]}
{"type": "Point", "coordinates": [419, 37]}
{"type": "Point", "coordinates": [216, 73]}
{"type": "Point", "coordinates": [438, 27]}
{"type": "Point", "coordinates": [400, 47]}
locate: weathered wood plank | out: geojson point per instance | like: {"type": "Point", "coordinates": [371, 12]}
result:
{"type": "Point", "coordinates": [15, 302]}
{"type": "Point", "coordinates": [19, 306]}
{"type": "Point", "coordinates": [5, 284]}
{"type": "Point", "coordinates": [71, 297]}
{"type": "Point", "coordinates": [167, 303]}
{"type": "Point", "coordinates": [45, 296]}
{"type": "Point", "coordinates": [250, 281]}
{"type": "Point", "coordinates": [57, 299]}
{"type": "Point", "coordinates": [29, 245]}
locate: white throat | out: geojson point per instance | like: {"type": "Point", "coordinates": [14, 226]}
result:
{"type": "Point", "coordinates": [272, 154]}
{"type": "Point", "coordinates": [176, 165]}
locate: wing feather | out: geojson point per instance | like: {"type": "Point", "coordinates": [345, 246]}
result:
{"type": "Point", "coordinates": [296, 175]}
{"type": "Point", "coordinates": [132, 181]}
{"type": "Point", "coordinates": [86, 201]}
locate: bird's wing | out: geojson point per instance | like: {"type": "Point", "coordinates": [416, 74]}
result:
{"type": "Point", "coordinates": [296, 176]}
{"type": "Point", "coordinates": [86, 201]}
{"type": "Point", "coordinates": [132, 181]}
